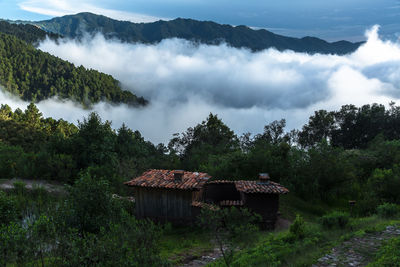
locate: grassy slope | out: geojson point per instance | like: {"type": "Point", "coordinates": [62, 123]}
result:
{"type": "Point", "coordinates": [318, 241]}
{"type": "Point", "coordinates": [179, 244]}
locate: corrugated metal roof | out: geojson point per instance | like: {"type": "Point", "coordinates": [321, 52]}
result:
{"type": "Point", "coordinates": [255, 186]}
{"type": "Point", "coordinates": [165, 179]}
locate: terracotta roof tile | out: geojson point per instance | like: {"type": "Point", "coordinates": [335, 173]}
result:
{"type": "Point", "coordinates": [220, 182]}
{"type": "Point", "coordinates": [254, 186]}
{"type": "Point", "coordinates": [200, 204]}
{"type": "Point", "coordinates": [165, 179]}
{"type": "Point", "coordinates": [260, 187]}
{"type": "Point", "coordinates": [231, 203]}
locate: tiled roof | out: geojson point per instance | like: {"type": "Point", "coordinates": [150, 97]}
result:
{"type": "Point", "coordinates": [255, 186]}
{"type": "Point", "coordinates": [220, 182]}
{"type": "Point", "coordinates": [200, 204]}
{"type": "Point", "coordinates": [231, 203]}
{"type": "Point", "coordinates": [165, 179]}
{"type": "Point", "coordinates": [260, 187]}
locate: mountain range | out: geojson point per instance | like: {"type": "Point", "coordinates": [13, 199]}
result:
{"type": "Point", "coordinates": [34, 75]}
{"type": "Point", "coordinates": [207, 32]}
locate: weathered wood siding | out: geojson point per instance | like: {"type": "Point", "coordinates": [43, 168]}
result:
{"type": "Point", "coordinates": [163, 204]}
{"type": "Point", "coordinates": [266, 205]}
{"type": "Point", "coordinates": [214, 193]}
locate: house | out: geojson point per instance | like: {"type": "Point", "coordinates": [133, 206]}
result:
{"type": "Point", "coordinates": [260, 196]}
{"type": "Point", "coordinates": [165, 195]}
{"type": "Point", "coordinates": [179, 196]}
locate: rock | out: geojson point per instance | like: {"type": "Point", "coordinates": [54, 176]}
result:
{"type": "Point", "coordinates": [356, 251]}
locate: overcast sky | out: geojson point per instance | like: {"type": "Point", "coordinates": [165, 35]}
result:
{"type": "Point", "coordinates": [331, 20]}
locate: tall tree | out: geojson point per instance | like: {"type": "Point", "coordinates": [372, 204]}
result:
{"type": "Point", "coordinates": [94, 144]}
{"type": "Point", "coordinates": [211, 137]}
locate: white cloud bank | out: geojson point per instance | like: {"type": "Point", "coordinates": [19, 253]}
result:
{"type": "Point", "coordinates": [59, 8]}
{"type": "Point", "coordinates": [185, 82]}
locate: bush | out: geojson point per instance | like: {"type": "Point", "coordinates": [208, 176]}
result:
{"type": "Point", "coordinates": [19, 187]}
{"type": "Point", "coordinates": [297, 230]}
{"type": "Point", "coordinates": [14, 247]}
{"type": "Point", "coordinates": [388, 254]}
{"type": "Point", "coordinates": [388, 210]}
{"type": "Point", "coordinates": [7, 209]}
{"type": "Point", "coordinates": [90, 204]}
{"type": "Point", "coordinates": [385, 184]}
{"type": "Point", "coordinates": [233, 229]}
{"type": "Point", "coordinates": [367, 205]}
{"type": "Point", "coordinates": [130, 242]}
{"type": "Point", "coordinates": [336, 219]}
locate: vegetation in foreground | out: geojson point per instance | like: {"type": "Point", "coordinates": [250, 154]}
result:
{"type": "Point", "coordinates": [350, 154]}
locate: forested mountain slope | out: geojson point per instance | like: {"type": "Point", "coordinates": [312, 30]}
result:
{"type": "Point", "coordinates": [29, 33]}
{"type": "Point", "coordinates": [34, 75]}
{"type": "Point", "coordinates": [200, 31]}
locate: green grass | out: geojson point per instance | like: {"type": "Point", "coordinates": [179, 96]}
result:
{"type": "Point", "coordinates": [179, 243]}
{"type": "Point", "coordinates": [290, 205]}
{"type": "Point", "coordinates": [273, 248]}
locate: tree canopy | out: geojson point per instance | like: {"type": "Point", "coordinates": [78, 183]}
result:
{"type": "Point", "coordinates": [34, 75]}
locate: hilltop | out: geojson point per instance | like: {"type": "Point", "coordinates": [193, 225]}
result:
{"type": "Point", "coordinates": [34, 75]}
{"type": "Point", "coordinates": [207, 32]}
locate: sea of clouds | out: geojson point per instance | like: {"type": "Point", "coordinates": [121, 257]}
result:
{"type": "Point", "coordinates": [184, 82]}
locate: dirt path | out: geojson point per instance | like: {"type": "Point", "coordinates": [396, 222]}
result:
{"type": "Point", "coordinates": [281, 224]}
{"type": "Point", "coordinates": [358, 251]}
{"type": "Point", "coordinates": [51, 187]}
{"type": "Point", "coordinates": [203, 260]}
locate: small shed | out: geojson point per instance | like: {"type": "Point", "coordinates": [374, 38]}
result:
{"type": "Point", "coordinates": [179, 196]}
{"type": "Point", "coordinates": [167, 195]}
{"type": "Point", "coordinates": [259, 196]}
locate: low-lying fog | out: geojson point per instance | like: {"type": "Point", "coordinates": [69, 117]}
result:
{"type": "Point", "coordinates": [184, 82]}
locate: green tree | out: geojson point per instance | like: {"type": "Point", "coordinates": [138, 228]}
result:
{"type": "Point", "coordinates": [384, 185]}
{"type": "Point", "coordinates": [89, 204]}
{"type": "Point", "coordinates": [231, 229]}
{"type": "Point", "coordinates": [319, 127]}
{"type": "Point", "coordinates": [32, 116]}
{"type": "Point", "coordinates": [94, 144]}
{"type": "Point", "coordinates": [211, 137]}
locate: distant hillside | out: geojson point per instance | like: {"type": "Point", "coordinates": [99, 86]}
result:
{"type": "Point", "coordinates": [34, 75]}
{"type": "Point", "coordinates": [200, 31]}
{"type": "Point", "coordinates": [29, 33]}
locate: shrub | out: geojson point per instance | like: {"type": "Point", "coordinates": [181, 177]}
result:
{"type": "Point", "coordinates": [385, 184]}
{"type": "Point", "coordinates": [14, 247]}
{"type": "Point", "coordinates": [90, 204]}
{"type": "Point", "coordinates": [388, 210]}
{"type": "Point", "coordinates": [130, 242]}
{"type": "Point", "coordinates": [336, 219]}
{"type": "Point", "coordinates": [297, 230]}
{"type": "Point", "coordinates": [232, 228]}
{"type": "Point", "coordinates": [19, 187]}
{"type": "Point", "coordinates": [388, 254]}
{"type": "Point", "coordinates": [7, 209]}
{"type": "Point", "coordinates": [367, 205]}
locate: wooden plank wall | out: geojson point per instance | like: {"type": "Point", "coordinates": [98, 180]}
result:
{"type": "Point", "coordinates": [163, 203]}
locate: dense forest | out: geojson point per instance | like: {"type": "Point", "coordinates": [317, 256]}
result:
{"type": "Point", "coordinates": [34, 75]}
{"type": "Point", "coordinates": [349, 154]}
{"type": "Point", "coordinates": [26, 32]}
{"type": "Point", "coordinates": [199, 31]}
